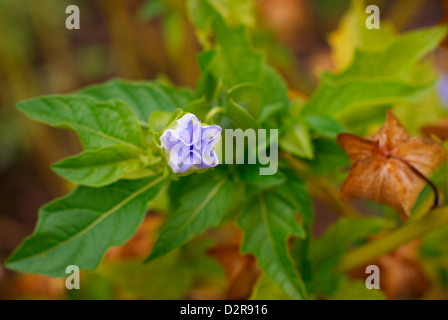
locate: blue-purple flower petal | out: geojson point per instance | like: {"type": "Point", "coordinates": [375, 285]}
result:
{"type": "Point", "coordinates": [190, 145]}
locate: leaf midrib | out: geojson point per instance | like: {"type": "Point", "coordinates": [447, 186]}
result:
{"type": "Point", "coordinates": [97, 221]}
{"type": "Point", "coordinates": [201, 206]}
{"type": "Point", "coordinates": [109, 137]}
{"type": "Point", "coordinates": [93, 166]}
{"type": "Point", "coordinates": [264, 215]}
{"type": "Point", "coordinates": [97, 132]}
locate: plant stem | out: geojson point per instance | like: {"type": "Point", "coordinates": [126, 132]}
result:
{"type": "Point", "coordinates": [410, 231]}
{"type": "Point", "coordinates": [423, 177]}
{"type": "Point", "coordinates": [215, 111]}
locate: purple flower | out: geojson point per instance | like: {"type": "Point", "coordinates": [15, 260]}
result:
{"type": "Point", "coordinates": [443, 88]}
{"type": "Point", "coordinates": [189, 145]}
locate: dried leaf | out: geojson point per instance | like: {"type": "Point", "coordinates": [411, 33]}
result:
{"type": "Point", "coordinates": [440, 130]}
{"type": "Point", "coordinates": [241, 270]}
{"type": "Point", "coordinates": [389, 167]}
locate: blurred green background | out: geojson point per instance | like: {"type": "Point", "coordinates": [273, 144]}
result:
{"type": "Point", "coordinates": [139, 39]}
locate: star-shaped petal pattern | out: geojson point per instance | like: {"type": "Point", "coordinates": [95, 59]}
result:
{"type": "Point", "coordinates": [389, 167]}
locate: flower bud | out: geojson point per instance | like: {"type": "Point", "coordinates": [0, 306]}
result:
{"type": "Point", "coordinates": [190, 145]}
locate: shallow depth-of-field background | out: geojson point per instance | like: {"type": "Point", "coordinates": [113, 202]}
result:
{"type": "Point", "coordinates": [147, 39]}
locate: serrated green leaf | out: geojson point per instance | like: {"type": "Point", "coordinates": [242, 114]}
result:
{"type": "Point", "coordinates": [235, 60]}
{"type": "Point", "coordinates": [240, 117]}
{"type": "Point", "coordinates": [352, 34]}
{"type": "Point", "coordinates": [295, 191]}
{"type": "Point", "coordinates": [377, 76]}
{"type": "Point", "coordinates": [78, 228]}
{"type": "Point", "coordinates": [99, 167]}
{"type": "Point", "coordinates": [275, 94]}
{"type": "Point", "coordinates": [336, 98]}
{"type": "Point", "coordinates": [207, 83]}
{"type": "Point", "coordinates": [296, 139]}
{"type": "Point", "coordinates": [143, 97]}
{"type": "Point", "coordinates": [98, 124]}
{"type": "Point", "coordinates": [267, 222]}
{"type": "Point", "coordinates": [269, 112]}
{"type": "Point", "coordinates": [249, 96]}
{"type": "Point", "coordinates": [201, 205]}
{"type": "Point", "coordinates": [396, 60]}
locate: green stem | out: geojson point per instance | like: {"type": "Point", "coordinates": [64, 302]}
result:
{"type": "Point", "coordinates": [410, 231]}
{"type": "Point", "coordinates": [215, 111]}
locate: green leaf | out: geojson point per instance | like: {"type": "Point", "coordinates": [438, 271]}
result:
{"type": "Point", "coordinates": [275, 94]}
{"type": "Point", "coordinates": [143, 97]}
{"type": "Point", "coordinates": [327, 126]}
{"type": "Point", "coordinates": [99, 167]}
{"type": "Point", "coordinates": [235, 60]}
{"type": "Point", "coordinates": [159, 120]}
{"type": "Point", "coordinates": [267, 222]}
{"type": "Point", "coordinates": [274, 87]}
{"type": "Point", "coordinates": [202, 205]}
{"type": "Point", "coordinates": [397, 59]}
{"type": "Point", "coordinates": [266, 289]}
{"type": "Point", "coordinates": [78, 229]}
{"type": "Point", "coordinates": [207, 83]}
{"type": "Point", "coordinates": [251, 175]}
{"type": "Point", "coordinates": [240, 117]}
{"type": "Point", "coordinates": [235, 12]}
{"type": "Point", "coordinates": [336, 98]}
{"type": "Point", "coordinates": [352, 34]}
{"type": "Point", "coordinates": [295, 191]}
{"type": "Point", "coordinates": [330, 247]}
{"type": "Point", "coordinates": [297, 139]}
{"type": "Point", "coordinates": [249, 96]}
{"type": "Point", "coordinates": [99, 124]}
{"type": "Point", "coordinates": [377, 77]}
{"type": "Point", "coordinates": [269, 112]}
